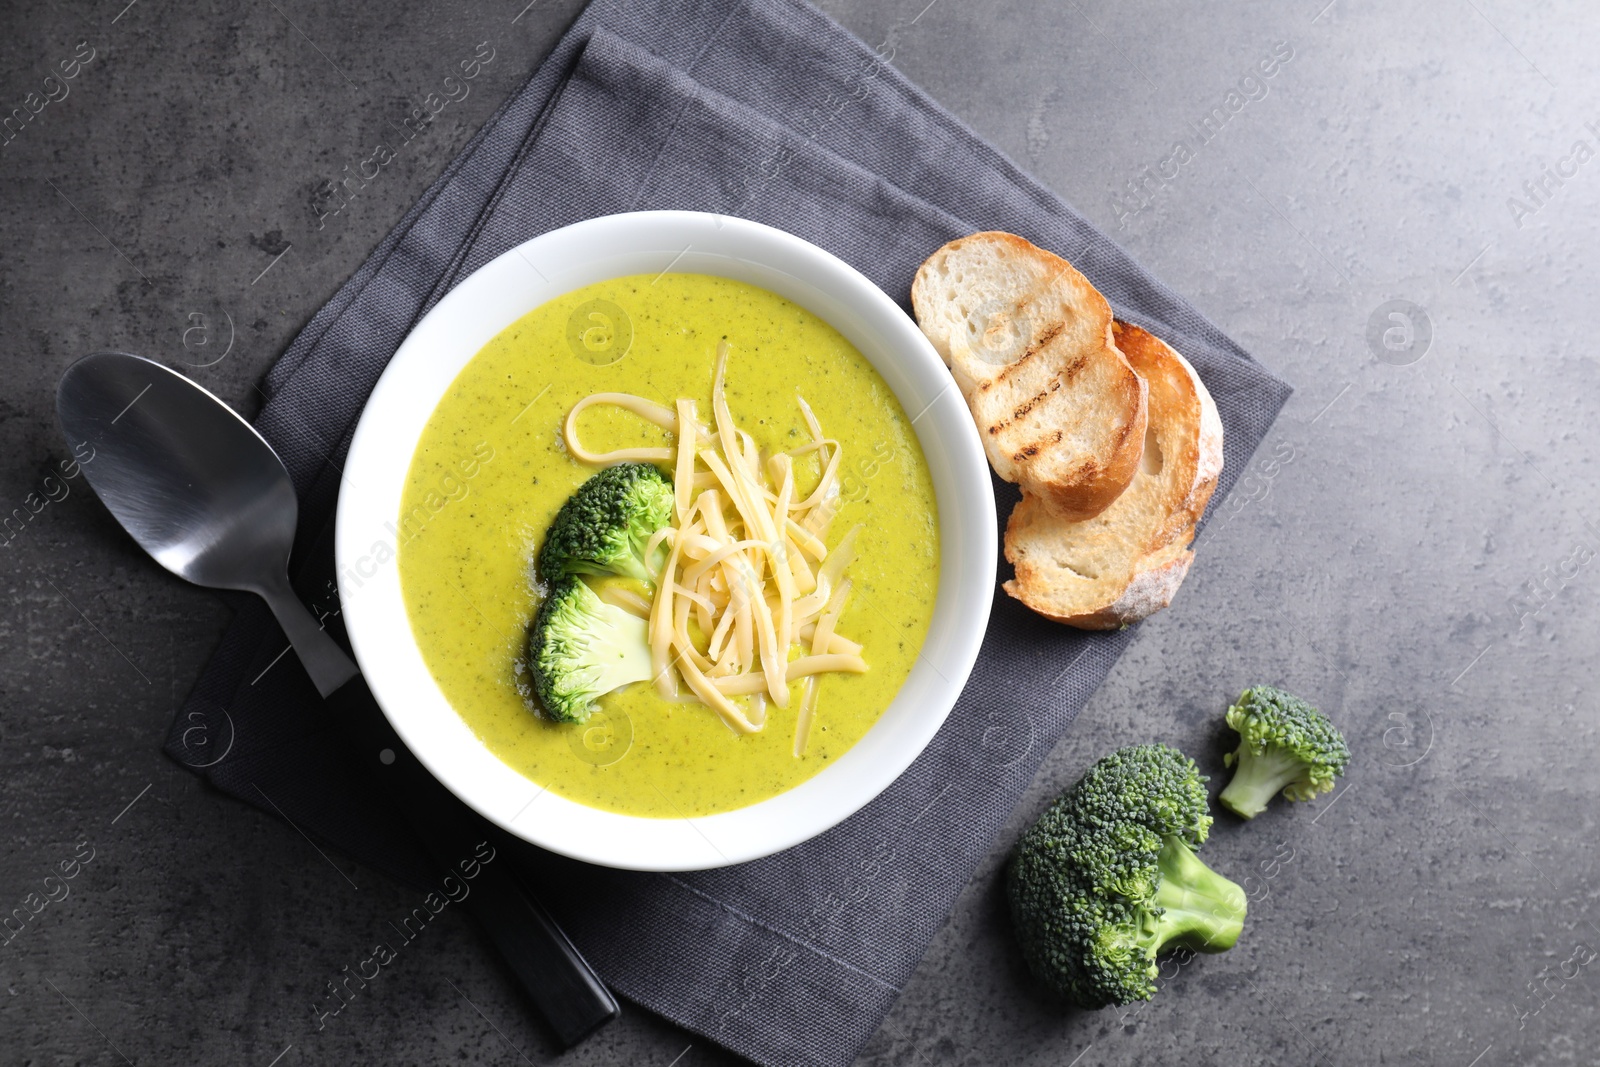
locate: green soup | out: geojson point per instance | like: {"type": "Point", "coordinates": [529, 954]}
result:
{"type": "Point", "coordinates": [490, 472]}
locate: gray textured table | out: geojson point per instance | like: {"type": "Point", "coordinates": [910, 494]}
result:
{"type": "Point", "coordinates": [1401, 221]}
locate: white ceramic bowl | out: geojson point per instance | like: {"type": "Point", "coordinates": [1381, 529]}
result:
{"type": "Point", "coordinates": [516, 283]}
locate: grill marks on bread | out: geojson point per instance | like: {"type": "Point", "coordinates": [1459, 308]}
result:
{"type": "Point", "coordinates": [1029, 342]}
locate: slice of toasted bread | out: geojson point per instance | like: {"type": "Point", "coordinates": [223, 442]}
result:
{"type": "Point", "coordinates": [1028, 339]}
{"type": "Point", "coordinates": [1127, 562]}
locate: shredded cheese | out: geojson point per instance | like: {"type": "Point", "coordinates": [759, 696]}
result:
{"type": "Point", "coordinates": [747, 564]}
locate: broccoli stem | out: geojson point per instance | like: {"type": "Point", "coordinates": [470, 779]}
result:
{"type": "Point", "coordinates": [1259, 778]}
{"type": "Point", "coordinates": [1202, 910]}
{"type": "Point", "coordinates": [630, 565]}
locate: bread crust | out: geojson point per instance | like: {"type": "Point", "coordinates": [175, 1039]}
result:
{"type": "Point", "coordinates": [1029, 341]}
{"type": "Point", "coordinates": [1166, 370]}
{"type": "Point", "coordinates": [1149, 592]}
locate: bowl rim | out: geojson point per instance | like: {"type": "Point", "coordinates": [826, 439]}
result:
{"type": "Point", "coordinates": [542, 269]}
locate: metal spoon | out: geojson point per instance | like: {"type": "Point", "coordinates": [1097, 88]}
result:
{"type": "Point", "coordinates": [204, 493]}
{"type": "Point", "coordinates": [197, 487]}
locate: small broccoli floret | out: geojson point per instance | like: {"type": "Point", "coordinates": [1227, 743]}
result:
{"type": "Point", "coordinates": [1284, 744]}
{"type": "Point", "coordinates": [580, 648]}
{"type": "Point", "coordinates": [604, 527]}
{"type": "Point", "coordinates": [1107, 878]}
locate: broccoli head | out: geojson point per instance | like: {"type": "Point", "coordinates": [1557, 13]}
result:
{"type": "Point", "coordinates": [604, 527]}
{"type": "Point", "coordinates": [1284, 744]}
{"type": "Point", "coordinates": [580, 648]}
{"type": "Point", "coordinates": [1107, 878]}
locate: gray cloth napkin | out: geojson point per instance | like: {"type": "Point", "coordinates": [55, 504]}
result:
{"type": "Point", "coordinates": [768, 110]}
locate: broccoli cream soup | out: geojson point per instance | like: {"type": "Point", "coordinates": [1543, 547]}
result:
{"type": "Point", "coordinates": [781, 508]}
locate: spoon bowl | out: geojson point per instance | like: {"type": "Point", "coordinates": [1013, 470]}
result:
{"type": "Point", "coordinates": [194, 484]}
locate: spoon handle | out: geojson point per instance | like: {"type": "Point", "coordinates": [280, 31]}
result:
{"type": "Point", "coordinates": [321, 656]}
{"type": "Point", "coordinates": [569, 995]}
{"type": "Point", "coordinates": [567, 992]}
